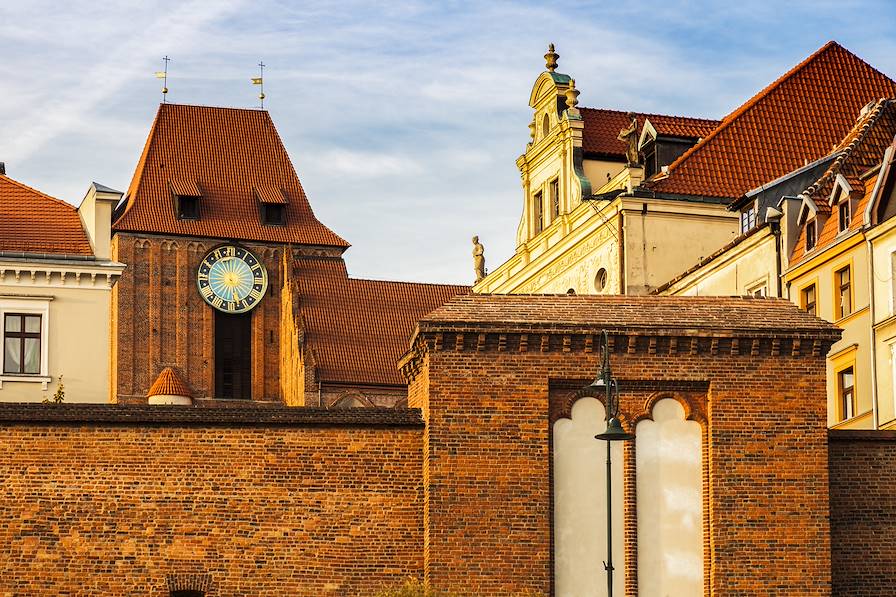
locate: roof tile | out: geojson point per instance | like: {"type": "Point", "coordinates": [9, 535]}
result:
{"type": "Point", "coordinates": [32, 222]}
{"type": "Point", "coordinates": [358, 328]}
{"type": "Point", "coordinates": [169, 383]}
{"type": "Point", "coordinates": [602, 129]}
{"type": "Point", "coordinates": [228, 152]}
{"type": "Point", "coordinates": [798, 118]}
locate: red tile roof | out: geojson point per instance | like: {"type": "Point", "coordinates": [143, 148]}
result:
{"type": "Point", "coordinates": [586, 313]}
{"type": "Point", "coordinates": [169, 383]}
{"type": "Point", "coordinates": [797, 118]}
{"type": "Point", "coordinates": [226, 153]}
{"type": "Point", "coordinates": [861, 150]}
{"type": "Point", "coordinates": [32, 222]}
{"type": "Point", "coordinates": [602, 128]}
{"type": "Point", "coordinates": [266, 193]}
{"type": "Point", "coordinates": [357, 328]}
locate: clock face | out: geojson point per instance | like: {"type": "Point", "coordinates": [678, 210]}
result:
{"type": "Point", "coordinates": [231, 279]}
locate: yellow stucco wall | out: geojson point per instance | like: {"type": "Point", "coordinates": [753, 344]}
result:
{"type": "Point", "coordinates": [76, 334]}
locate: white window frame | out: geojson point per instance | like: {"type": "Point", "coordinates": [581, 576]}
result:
{"type": "Point", "coordinates": [28, 305]}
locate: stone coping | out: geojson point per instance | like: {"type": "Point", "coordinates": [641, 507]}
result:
{"type": "Point", "coordinates": [880, 435]}
{"type": "Point", "coordinates": [174, 416]}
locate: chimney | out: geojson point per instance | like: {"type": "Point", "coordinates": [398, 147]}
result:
{"type": "Point", "coordinates": [3, 168]}
{"type": "Point", "coordinates": [96, 217]}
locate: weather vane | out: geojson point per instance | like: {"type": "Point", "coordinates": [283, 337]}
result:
{"type": "Point", "coordinates": [163, 74]}
{"type": "Point", "coordinates": [259, 80]}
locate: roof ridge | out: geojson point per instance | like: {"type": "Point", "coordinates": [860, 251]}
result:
{"type": "Point", "coordinates": [648, 114]}
{"type": "Point", "coordinates": [41, 193]}
{"type": "Point", "coordinates": [860, 131]}
{"type": "Point", "coordinates": [750, 103]}
{"type": "Point", "coordinates": [211, 107]}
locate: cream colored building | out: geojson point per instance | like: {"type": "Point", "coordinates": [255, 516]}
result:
{"type": "Point", "coordinates": [55, 287]}
{"type": "Point", "coordinates": [587, 226]}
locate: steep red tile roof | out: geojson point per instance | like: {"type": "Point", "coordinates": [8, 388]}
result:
{"type": "Point", "coordinates": [32, 222]}
{"type": "Point", "coordinates": [861, 150]}
{"type": "Point", "coordinates": [169, 383]}
{"type": "Point", "coordinates": [602, 128]}
{"type": "Point", "coordinates": [797, 118]}
{"type": "Point", "coordinates": [357, 328]}
{"type": "Point", "coordinates": [585, 313]}
{"type": "Point", "coordinates": [225, 153]}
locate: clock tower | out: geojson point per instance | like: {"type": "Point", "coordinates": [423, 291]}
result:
{"type": "Point", "coordinates": [213, 215]}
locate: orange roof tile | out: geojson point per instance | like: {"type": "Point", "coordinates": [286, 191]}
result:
{"type": "Point", "coordinates": [357, 328]}
{"type": "Point", "coordinates": [227, 152]}
{"type": "Point", "coordinates": [269, 194]}
{"type": "Point", "coordinates": [32, 222]}
{"type": "Point", "coordinates": [797, 118]}
{"type": "Point", "coordinates": [861, 150]}
{"type": "Point", "coordinates": [169, 383]}
{"type": "Point", "coordinates": [602, 128]}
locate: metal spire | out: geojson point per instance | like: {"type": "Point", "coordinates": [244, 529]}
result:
{"type": "Point", "coordinates": [259, 80]}
{"type": "Point", "coordinates": [163, 74]}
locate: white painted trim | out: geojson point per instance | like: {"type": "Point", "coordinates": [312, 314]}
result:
{"type": "Point", "coordinates": [25, 379]}
{"type": "Point", "coordinates": [31, 306]}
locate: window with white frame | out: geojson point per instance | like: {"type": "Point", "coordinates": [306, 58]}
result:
{"type": "Point", "coordinates": [24, 326]}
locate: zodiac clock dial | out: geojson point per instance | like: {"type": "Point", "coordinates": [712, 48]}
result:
{"type": "Point", "coordinates": [231, 279]}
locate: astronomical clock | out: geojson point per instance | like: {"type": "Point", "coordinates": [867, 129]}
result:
{"type": "Point", "coordinates": [231, 279]}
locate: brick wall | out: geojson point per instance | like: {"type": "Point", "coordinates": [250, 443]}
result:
{"type": "Point", "coordinates": [488, 407]}
{"type": "Point", "coordinates": [160, 320]}
{"type": "Point", "coordinates": [270, 501]}
{"type": "Point", "coordinates": [863, 512]}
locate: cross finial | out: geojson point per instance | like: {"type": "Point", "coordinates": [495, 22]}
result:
{"type": "Point", "coordinates": [550, 58]}
{"type": "Point", "coordinates": [259, 80]}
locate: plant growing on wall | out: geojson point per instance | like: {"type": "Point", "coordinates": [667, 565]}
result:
{"type": "Point", "coordinates": [58, 395]}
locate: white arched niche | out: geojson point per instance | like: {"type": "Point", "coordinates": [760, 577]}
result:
{"type": "Point", "coordinates": [580, 505]}
{"type": "Point", "coordinates": [668, 460]}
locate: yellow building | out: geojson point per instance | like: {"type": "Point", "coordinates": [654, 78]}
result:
{"type": "Point", "coordinates": [55, 287]}
{"type": "Point", "coordinates": [807, 242]}
{"type": "Point", "coordinates": [617, 203]}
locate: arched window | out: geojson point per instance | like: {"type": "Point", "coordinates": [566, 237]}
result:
{"type": "Point", "coordinates": [546, 125]}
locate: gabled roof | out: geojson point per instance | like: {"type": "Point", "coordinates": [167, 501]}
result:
{"type": "Point", "coordinates": [602, 128]}
{"type": "Point", "coordinates": [224, 153]}
{"type": "Point", "coordinates": [857, 154]}
{"type": "Point", "coordinates": [796, 119]}
{"type": "Point", "coordinates": [358, 328]}
{"type": "Point", "coordinates": [32, 222]}
{"type": "Point", "coordinates": [169, 383]}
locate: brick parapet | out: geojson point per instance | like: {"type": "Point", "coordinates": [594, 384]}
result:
{"type": "Point", "coordinates": [217, 415]}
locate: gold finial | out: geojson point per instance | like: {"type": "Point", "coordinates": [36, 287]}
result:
{"type": "Point", "coordinates": [550, 58]}
{"type": "Point", "coordinates": [572, 95]}
{"type": "Point", "coordinates": [532, 131]}
{"type": "Point", "coordinates": [163, 74]}
{"type": "Point", "coordinates": [259, 80]}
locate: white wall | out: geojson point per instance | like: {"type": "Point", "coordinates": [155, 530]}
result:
{"type": "Point", "coordinates": [670, 503]}
{"type": "Point", "coordinates": [580, 507]}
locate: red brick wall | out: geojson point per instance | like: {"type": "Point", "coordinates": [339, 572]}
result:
{"type": "Point", "coordinates": [271, 502]}
{"type": "Point", "coordinates": [863, 512]}
{"type": "Point", "coordinates": [488, 464]}
{"type": "Point", "coordinates": [160, 320]}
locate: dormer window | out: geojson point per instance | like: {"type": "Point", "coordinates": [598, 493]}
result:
{"type": "Point", "coordinates": [273, 215]}
{"type": "Point", "coordinates": [811, 235]}
{"type": "Point", "coordinates": [186, 198]}
{"type": "Point", "coordinates": [271, 205]}
{"type": "Point", "coordinates": [844, 214]}
{"type": "Point", "coordinates": [748, 218]}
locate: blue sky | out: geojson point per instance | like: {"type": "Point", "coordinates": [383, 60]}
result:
{"type": "Point", "coordinates": [403, 119]}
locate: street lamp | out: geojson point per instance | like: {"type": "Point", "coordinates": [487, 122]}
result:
{"type": "Point", "coordinates": [614, 433]}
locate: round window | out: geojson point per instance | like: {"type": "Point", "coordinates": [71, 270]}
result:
{"type": "Point", "coordinates": [600, 280]}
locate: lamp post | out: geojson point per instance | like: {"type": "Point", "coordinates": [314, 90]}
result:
{"type": "Point", "coordinates": [614, 433]}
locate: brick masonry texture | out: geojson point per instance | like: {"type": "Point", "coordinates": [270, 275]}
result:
{"type": "Point", "coordinates": [486, 391]}
{"type": "Point", "coordinates": [271, 505]}
{"type": "Point", "coordinates": [160, 320]}
{"type": "Point", "coordinates": [863, 512]}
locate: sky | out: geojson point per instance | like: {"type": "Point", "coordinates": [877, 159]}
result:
{"type": "Point", "coordinates": [402, 119]}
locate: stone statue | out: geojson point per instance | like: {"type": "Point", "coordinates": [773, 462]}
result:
{"type": "Point", "coordinates": [478, 259]}
{"type": "Point", "coordinates": [629, 136]}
